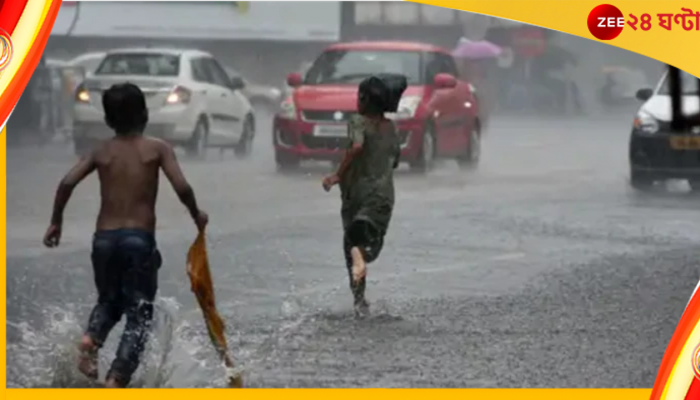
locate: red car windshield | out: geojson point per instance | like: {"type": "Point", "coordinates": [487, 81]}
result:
{"type": "Point", "coordinates": [352, 66]}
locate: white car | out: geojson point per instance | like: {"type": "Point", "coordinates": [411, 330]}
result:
{"type": "Point", "coordinates": [88, 61]}
{"type": "Point", "coordinates": [191, 100]}
{"type": "Point", "coordinates": [76, 69]}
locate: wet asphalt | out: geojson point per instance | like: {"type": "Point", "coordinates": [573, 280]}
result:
{"type": "Point", "coordinates": [540, 269]}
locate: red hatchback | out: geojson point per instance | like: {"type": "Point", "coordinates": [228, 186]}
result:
{"type": "Point", "coordinates": [438, 116]}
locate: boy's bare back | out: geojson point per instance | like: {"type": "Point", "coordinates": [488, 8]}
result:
{"type": "Point", "coordinates": [128, 169]}
{"type": "Point", "coordinates": [128, 166]}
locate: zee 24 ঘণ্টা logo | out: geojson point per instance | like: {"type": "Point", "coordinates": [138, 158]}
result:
{"type": "Point", "coordinates": [5, 50]}
{"type": "Point", "coordinates": [605, 22]}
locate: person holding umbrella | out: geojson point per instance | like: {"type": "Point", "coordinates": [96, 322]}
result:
{"type": "Point", "coordinates": [475, 59]}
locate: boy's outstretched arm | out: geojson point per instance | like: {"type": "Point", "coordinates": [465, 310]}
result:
{"type": "Point", "coordinates": [82, 169]}
{"type": "Point", "coordinates": [182, 188]}
{"type": "Point", "coordinates": [333, 179]}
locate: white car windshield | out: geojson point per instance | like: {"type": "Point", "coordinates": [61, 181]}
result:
{"type": "Point", "coordinates": [352, 66]}
{"type": "Point", "coordinates": [689, 84]}
{"type": "Point", "coordinates": [146, 64]}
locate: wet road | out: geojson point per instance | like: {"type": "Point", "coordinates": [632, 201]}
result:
{"type": "Point", "coordinates": [541, 269]}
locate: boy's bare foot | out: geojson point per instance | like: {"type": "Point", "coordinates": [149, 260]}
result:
{"type": "Point", "coordinates": [361, 309]}
{"type": "Point", "coordinates": [87, 360]}
{"type": "Point", "coordinates": [359, 267]}
{"type": "Point", "coordinates": [112, 383]}
{"type": "Point", "coordinates": [114, 380]}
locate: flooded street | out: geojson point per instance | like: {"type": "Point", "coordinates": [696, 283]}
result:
{"type": "Point", "coordinates": [541, 269]}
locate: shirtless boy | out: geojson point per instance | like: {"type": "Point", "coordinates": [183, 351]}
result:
{"type": "Point", "coordinates": [125, 258]}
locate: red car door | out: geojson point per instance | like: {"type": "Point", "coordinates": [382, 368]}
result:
{"type": "Point", "coordinates": [440, 106]}
{"type": "Point", "coordinates": [451, 108]}
{"type": "Point", "coordinates": [465, 108]}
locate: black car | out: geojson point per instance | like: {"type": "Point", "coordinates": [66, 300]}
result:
{"type": "Point", "coordinates": [656, 153]}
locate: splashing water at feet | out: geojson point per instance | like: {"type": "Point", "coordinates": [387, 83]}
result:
{"type": "Point", "coordinates": [178, 354]}
{"type": "Point", "coordinates": [31, 357]}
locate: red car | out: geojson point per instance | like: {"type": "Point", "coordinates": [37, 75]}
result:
{"type": "Point", "coordinates": [438, 116]}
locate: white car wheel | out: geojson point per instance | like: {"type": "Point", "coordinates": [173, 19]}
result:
{"type": "Point", "coordinates": [198, 143]}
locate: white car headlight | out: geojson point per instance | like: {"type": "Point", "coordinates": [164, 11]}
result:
{"type": "Point", "coordinates": [288, 109]}
{"type": "Point", "coordinates": [645, 123]}
{"type": "Point", "coordinates": [407, 108]}
{"type": "Point", "coordinates": [82, 94]}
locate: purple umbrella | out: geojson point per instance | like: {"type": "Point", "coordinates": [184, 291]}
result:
{"type": "Point", "coordinates": [476, 50]}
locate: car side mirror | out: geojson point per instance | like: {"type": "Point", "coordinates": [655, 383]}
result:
{"type": "Point", "coordinates": [644, 94]}
{"type": "Point", "coordinates": [444, 81]}
{"type": "Point", "coordinates": [294, 79]}
{"type": "Point", "coordinates": [236, 83]}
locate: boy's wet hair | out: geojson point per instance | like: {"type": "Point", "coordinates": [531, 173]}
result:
{"type": "Point", "coordinates": [372, 95]}
{"type": "Point", "coordinates": [125, 108]}
{"type": "Point", "coordinates": [381, 93]}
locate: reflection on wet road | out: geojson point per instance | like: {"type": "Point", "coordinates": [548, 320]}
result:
{"type": "Point", "coordinates": [541, 269]}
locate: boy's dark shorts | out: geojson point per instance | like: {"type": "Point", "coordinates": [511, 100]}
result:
{"type": "Point", "coordinates": [362, 233]}
{"type": "Point", "coordinates": [125, 264]}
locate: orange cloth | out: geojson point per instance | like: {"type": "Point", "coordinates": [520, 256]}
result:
{"type": "Point", "coordinates": [203, 288]}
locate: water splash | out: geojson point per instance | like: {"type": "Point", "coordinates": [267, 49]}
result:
{"type": "Point", "coordinates": [179, 354]}
{"type": "Point", "coordinates": [176, 354]}
{"type": "Point", "coordinates": [36, 356]}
